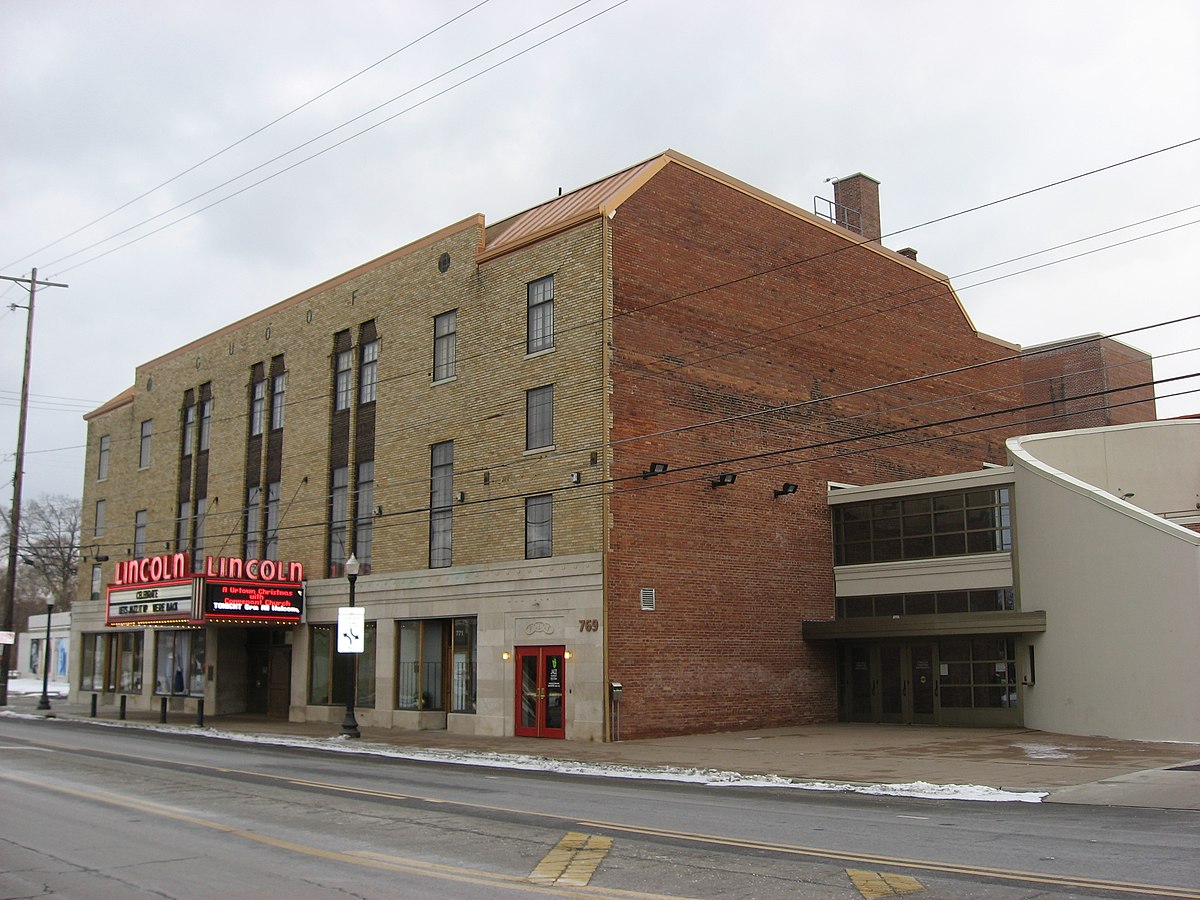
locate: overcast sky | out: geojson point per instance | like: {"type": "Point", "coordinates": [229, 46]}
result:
{"type": "Point", "coordinates": [949, 104]}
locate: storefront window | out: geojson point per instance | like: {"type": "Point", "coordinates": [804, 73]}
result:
{"type": "Point", "coordinates": [435, 662]}
{"type": "Point", "coordinates": [327, 669]}
{"type": "Point", "coordinates": [112, 662]}
{"type": "Point", "coordinates": [180, 663]}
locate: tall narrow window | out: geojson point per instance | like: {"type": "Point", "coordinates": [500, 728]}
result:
{"type": "Point", "coordinates": [338, 507]}
{"type": "Point", "coordinates": [540, 332]}
{"type": "Point", "coordinates": [441, 487]}
{"type": "Point", "coordinates": [102, 460]}
{"type": "Point", "coordinates": [273, 494]}
{"type": "Point", "coordinates": [198, 544]}
{"type": "Point", "coordinates": [183, 526]}
{"type": "Point", "coordinates": [342, 392]}
{"type": "Point", "coordinates": [539, 417]}
{"type": "Point", "coordinates": [253, 520]}
{"type": "Point", "coordinates": [144, 450]}
{"type": "Point", "coordinates": [205, 424]}
{"type": "Point", "coordinates": [278, 387]}
{"type": "Point", "coordinates": [101, 506]}
{"type": "Point", "coordinates": [258, 406]}
{"type": "Point", "coordinates": [189, 430]}
{"type": "Point", "coordinates": [538, 527]}
{"type": "Point", "coordinates": [96, 581]}
{"type": "Point", "coordinates": [368, 372]}
{"type": "Point", "coordinates": [139, 533]}
{"type": "Point", "coordinates": [365, 513]}
{"type": "Point", "coordinates": [445, 328]}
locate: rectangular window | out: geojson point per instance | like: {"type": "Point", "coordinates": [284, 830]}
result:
{"type": "Point", "coordinates": [445, 329]}
{"type": "Point", "coordinates": [189, 430]}
{"type": "Point", "coordinates": [205, 424]}
{"type": "Point", "coordinates": [342, 392]}
{"type": "Point", "coordinates": [97, 583]}
{"type": "Point", "coordinates": [339, 496]}
{"type": "Point", "coordinates": [441, 487]}
{"type": "Point", "coordinates": [144, 449]}
{"type": "Point", "coordinates": [980, 672]}
{"type": "Point", "coordinates": [540, 329]}
{"type": "Point", "coordinates": [102, 461]}
{"type": "Point", "coordinates": [273, 494]}
{"type": "Point", "coordinates": [539, 418]}
{"type": "Point", "coordinates": [950, 524]}
{"type": "Point", "coordinates": [253, 520]}
{"type": "Point", "coordinates": [112, 662]}
{"type": "Point", "coordinates": [431, 656]}
{"type": "Point", "coordinates": [278, 389]}
{"type": "Point", "coordinates": [364, 518]}
{"type": "Point", "coordinates": [327, 670]}
{"type": "Point", "coordinates": [198, 546]}
{"type": "Point", "coordinates": [179, 663]}
{"type": "Point", "coordinates": [140, 519]}
{"type": "Point", "coordinates": [183, 526]}
{"type": "Point", "coordinates": [368, 372]}
{"type": "Point", "coordinates": [258, 406]}
{"type": "Point", "coordinates": [101, 506]}
{"type": "Point", "coordinates": [538, 511]}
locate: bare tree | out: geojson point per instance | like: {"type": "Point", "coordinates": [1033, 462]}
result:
{"type": "Point", "coordinates": [48, 553]}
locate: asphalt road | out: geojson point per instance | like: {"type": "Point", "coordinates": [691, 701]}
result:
{"type": "Point", "coordinates": [94, 812]}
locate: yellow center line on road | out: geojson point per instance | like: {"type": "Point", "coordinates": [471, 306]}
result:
{"type": "Point", "coordinates": [364, 858]}
{"type": "Point", "coordinates": [1095, 884]}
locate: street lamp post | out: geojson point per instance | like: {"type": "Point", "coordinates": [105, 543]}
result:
{"type": "Point", "coordinates": [44, 703]}
{"type": "Point", "coordinates": [350, 724]}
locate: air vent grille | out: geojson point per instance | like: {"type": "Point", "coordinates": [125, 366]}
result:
{"type": "Point", "coordinates": [648, 598]}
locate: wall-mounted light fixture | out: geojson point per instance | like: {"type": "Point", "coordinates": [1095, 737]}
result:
{"type": "Point", "coordinates": [567, 654]}
{"type": "Point", "coordinates": [724, 478]}
{"type": "Point", "coordinates": [505, 655]}
{"type": "Point", "coordinates": [788, 488]}
{"type": "Point", "coordinates": [460, 497]}
{"type": "Point", "coordinates": [656, 468]}
{"type": "Point", "coordinates": [379, 511]}
{"type": "Point", "coordinates": [576, 477]}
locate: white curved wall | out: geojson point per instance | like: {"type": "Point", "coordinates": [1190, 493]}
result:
{"type": "Point", "coordinates": [1120, 586]}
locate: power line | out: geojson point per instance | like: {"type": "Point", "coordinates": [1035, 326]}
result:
{"type": "Point", "coordinates": [242, 140]}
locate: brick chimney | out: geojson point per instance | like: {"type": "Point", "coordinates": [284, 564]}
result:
{"type": "Point", "coordinates": [857, 199]}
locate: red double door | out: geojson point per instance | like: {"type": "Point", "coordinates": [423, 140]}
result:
{"type": "Point", "coordinates": [541, 692]}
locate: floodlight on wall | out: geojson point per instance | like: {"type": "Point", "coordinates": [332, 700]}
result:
{"type": "Point", "coordinates": [724, 478]}
{"type": "Point", "coordinates": [656, 468]}
{"type": "Point", "coordinates": [788, 488]}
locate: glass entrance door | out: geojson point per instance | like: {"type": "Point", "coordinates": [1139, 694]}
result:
{"type": "Point", "coordinates": [891, 681]}
{"type": "Point", "coordinates": [541, 690]}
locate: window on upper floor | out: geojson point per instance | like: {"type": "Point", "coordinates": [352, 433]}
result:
{"type": "Point", "coordinates": [540, 327]}
{"type": "Point", "coordinates": [538, 527]}
{"type": "Point", "coordinates": [253, 520]}
{"type": "Point", "coordinates": [364, 518]}
{"type": "Point", "coordinates": [368, 373]}
{"type": "Point", "coordinates": [97, 581]}
{"type": "Point", "coordinates": [926, 604]}
{"type": "Point", "coordinates": [258, 406]}
{"type": "Point", "coordinates": [102, 458]}
{"type": "Point", "coordinates": [445, 329]}
{"type": "Point", "coordinates": [201, 526]}
{"type": "Point", "coordinates": [339, 506]}
{"type": "Point", "coordinates": [140, 520]}
{"type": "Point", "coordinates": [101, 507]}
{"type": "Point", "coordinates": [539, 417]}
{"type": "Point", "coordinates": [189, 430]}
{"type": "Point", "coordinates": [183, 526]}
{"type": "Point", "coordinates": [205, 424]}
{"type": "Point", "coordinates": [278, 389]}
{"type": "Point", "coordinates": [441, 496]}
{"type": "Point", "coordinates": [144, 448]}
{"type": "Point", "coordinates": [273, 495]}
{"type": "Point", "coordinates": [949, 524]}
{"type": "Point", "coordinates": [343, 391]}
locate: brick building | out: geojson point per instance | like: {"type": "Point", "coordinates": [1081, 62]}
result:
{"type": "Point", "coordinates": [587, 445]}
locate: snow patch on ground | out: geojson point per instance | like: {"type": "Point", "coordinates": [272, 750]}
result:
{"type": "Point", "coordinates": [710, 777]}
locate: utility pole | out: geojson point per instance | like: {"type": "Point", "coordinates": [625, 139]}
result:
{"type": "Point", "coordinates": [10, 577]}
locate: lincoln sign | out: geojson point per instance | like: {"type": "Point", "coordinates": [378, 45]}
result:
{"type": "Point", "coordinates": [160, 590]}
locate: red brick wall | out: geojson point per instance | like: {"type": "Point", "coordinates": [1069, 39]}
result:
{"type": "Point", "coordinates": [1076, 386]}
{"type": "Point", "coordinates": [737, 571]}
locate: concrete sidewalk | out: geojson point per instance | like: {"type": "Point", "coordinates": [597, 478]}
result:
{"type": "Point", "coordinates": [1096, 771]}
